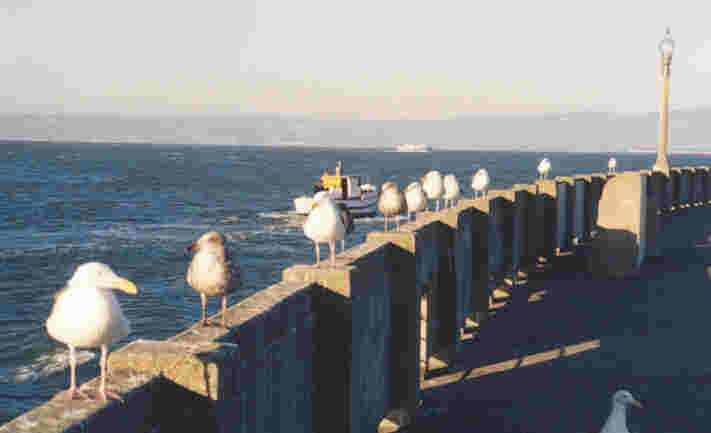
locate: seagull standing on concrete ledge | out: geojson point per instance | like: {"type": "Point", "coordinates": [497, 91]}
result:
{"type": "Point", "coordinates": [86, 314]}
{"type": "Point", "coordinates": [324, 224]}
{"type": "Point", "coordinates": [391, 202]}
{"type": "Point", "coordinates": [213, 271]}
{"type": "Point", "coordinates": [611, 165]}
{"type": "Point", "coordinates": [451, 190]}
{"type": "Point", "coordinates": [433, 186]}
{"type": "Point", "coordinates": [480, 182]}
{"type": "Point", "coordinates": [544, 167]}
{"type": "Point", "coordinates": [415, 199]}
{"type": "Point", "coordinates": [617, 421]}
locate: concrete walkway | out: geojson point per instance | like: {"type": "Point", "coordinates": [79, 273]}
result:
{"type": "Point", "coordinates": [645, 334]}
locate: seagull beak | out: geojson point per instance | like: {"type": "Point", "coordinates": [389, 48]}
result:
{"type": "Point", "coordinates": [314, 205]}
{"type": "Point", "coordinates": [126, 286]}
{"type": "Point", "coordinates": [190, 248]}
{"type": "Point", "coordinates": [638, 404]}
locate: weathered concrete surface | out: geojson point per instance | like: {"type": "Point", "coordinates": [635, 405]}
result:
{"type": "Point", "coordinates": [673, 187]}
{"type": "Point", "coordinates": [565, 202]}
{"type": "Point", "coordinates": [501, 228]}
{"type": "Point", "coordinates": [700, 182]}
{"type": "Point", "coordinates": [582, 210]}
{"type": "Point", "coordinates": [643, 336]}
{"type": "Point", "coordinates": [706, 186]}
{"type": "Point", "coordinates": [456, 265]}
{"type": "Point", "coordinates": [548, 189]}
{"type": "Point", "coordinates": [352, 340]}
{"type": "Point", "coordinates": [619, 248]}
{"type": "Point", "coordinates": [655, 206]}
{"type": "Point", "coordinates": [196, 367]}
{"type": "Point", "coordinates": [685, 181]}
{"type": "Point", "coordinates": [138, 412]}
{"type": "Point", "coordinates": [533, 221]}
{"type": "Point", "coordinates": [480, 258]}
{"type": "Point", "coordinates": [405, 314]}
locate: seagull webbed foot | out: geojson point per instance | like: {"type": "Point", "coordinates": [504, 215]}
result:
{"type": "Point", "coordinates": [71, 394]}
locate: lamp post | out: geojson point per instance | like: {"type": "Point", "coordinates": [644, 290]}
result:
{"type": "Point", "coordinates": [666, 47]}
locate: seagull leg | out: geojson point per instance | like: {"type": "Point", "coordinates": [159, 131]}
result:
{"type": "Point", "coordinates": [102, 388]}
{"type": "Point", "coordinates": [203, 298]}
{"type": "Point", "coordinates": [318, 253]}
{"type": "Point", "coordinates": [343, 244]}
{"type": "Point", "coordinates": [332, 248]}
{"type": "Point", "coordinates": [385, 218]}
{"type": "Point", "coordinates": [224, 310]}
{"type": "Point", "coordinates": [397, 222]}
{"type": "Point", "coordinates": [73, 392]}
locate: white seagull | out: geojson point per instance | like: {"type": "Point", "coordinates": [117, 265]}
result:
{"type": "Point", "coordinates": [324, 225]}
{"type": "Point", "coordinates": [544, 167]}
{"type": "Point", "coordinates": [612, 165]}
{"type": "Point", "coordinates": [86, 314]}
{"type": "Point", "coordinates": [617, 421]}
{"type": "Point", "coordinates": [213, 271]}
{"type": "Point", "coordinates": [451, 190]}
{"type": "Point", "coordinates": [391, 202]}
{"type": "Point", "coordinates": [433, 186]}
{"type": "Point", "coordinates": [480, 182]}
{"type": "Point", "coordinates": [415, 198]}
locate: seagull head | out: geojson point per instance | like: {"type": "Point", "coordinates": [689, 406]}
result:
{"type": "Point", "coordinates": [208, 240]}
{"type": "Point", "coordinates": [100, 275]}
{"type": "Point", "coordinates": [624, 398]}
{"type": "Point", "coordinates": [413, 185]}
{"type": "Point", "coordinates": [388, 185]}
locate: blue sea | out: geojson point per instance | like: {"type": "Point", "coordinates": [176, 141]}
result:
{"type": "Point", "coordinates": [137, 206]}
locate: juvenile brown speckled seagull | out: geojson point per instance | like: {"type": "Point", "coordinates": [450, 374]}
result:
{"type": "Point", "coordinates": [213, 271]}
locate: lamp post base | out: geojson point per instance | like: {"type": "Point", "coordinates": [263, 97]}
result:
{"type": "Point", "coordinates": [662, 165]}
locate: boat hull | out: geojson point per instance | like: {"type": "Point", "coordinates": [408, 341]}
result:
{"type": "Point", "coordinates": [359, 208]}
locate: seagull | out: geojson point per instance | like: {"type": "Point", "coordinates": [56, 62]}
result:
{"type": "Point", "coordinates": [391, 202]}
{"type": "Point", "coordinates": [347, 220]}
{"type": "Point", "coordinates": [86, 314]}
{"type": "Point", "coordinates": [617, 421]}
{"type": "Point", "coordinates": [433, 187]}
{"type": "Point", "coordinates": [611, 165]}
{"type": "Point", "coordinates": [451, 190]}
{"type": "Point", "coordinates": [213, 271]}
{"type": "Point", "coordinates": [480, 182]}
{"type": "Point", "coordinates": [415, 198]}
{"type": "Point", "coordinates": [324, 225]}
{"type": "Point", "coordinates": [544, 167]}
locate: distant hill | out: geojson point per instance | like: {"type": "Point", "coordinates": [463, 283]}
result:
{"type": "Point", "coordinates": [576, 131]}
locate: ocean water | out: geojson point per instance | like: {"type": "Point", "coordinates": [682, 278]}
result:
{"type": "Point", "coordinates": [136, 208]}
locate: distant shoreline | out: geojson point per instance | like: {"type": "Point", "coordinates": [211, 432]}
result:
{"type": "Point", "coordinates": [377, 148]}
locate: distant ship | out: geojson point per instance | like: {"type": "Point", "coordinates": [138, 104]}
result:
{"type": "Point", "coordinates": [412, 148]}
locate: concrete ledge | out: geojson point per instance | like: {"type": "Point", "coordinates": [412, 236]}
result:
{"type": "Point", "coordinates": [193, 366]}
{"type": "Point", "coordinates": [619, 248]}
{"type": "Point", "coordinates": [136, 413]}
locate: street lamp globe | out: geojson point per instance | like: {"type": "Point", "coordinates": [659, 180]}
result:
{"type": "Point", "coordinates": [666, 47]}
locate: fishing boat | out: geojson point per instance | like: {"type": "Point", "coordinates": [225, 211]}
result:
{"type": "Point", "coordinates": [360, 199]}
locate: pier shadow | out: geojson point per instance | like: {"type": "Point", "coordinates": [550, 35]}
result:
{"type": "Point", "coordinates": [553, 364]}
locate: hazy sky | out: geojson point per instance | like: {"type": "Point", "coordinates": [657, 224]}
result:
{"type": "Point", "coordinates": [366, 58]}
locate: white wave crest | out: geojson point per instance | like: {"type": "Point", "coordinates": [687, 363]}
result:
{"type": "Point", "coordinates": [45, 365]}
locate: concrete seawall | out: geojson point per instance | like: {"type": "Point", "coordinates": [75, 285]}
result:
{"type": "Point", "coordinates": [351, 348]}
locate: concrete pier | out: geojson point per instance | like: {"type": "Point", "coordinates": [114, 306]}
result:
{"type": "Point", "coordinates": [365, 346]}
